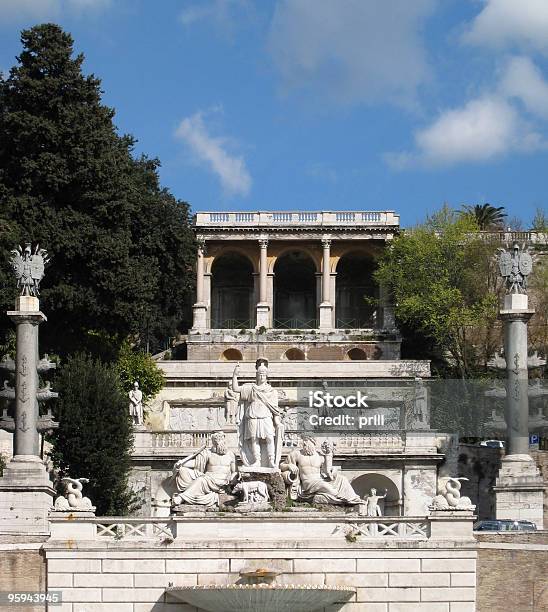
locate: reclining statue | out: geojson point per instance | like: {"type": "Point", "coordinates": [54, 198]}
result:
{"type": "Point", "coordinates": [312, 478]}
{"type": "Point", "coordinates": [199, 478]}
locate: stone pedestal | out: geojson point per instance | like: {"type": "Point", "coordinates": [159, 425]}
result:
{"type": "Point", "coordinates": [26, 496]}
{"type": "Point", "coordinates": [519, 490]}
{"type": "Point", "coordinates": [199, 317]}
{"type": "Point", "coordinates": [263, 315]}
{"type": "Point", "coordinates": [326, 316]}
{"type": "Point", "coordinates": [274, 482]}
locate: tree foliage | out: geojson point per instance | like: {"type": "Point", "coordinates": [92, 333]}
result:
{"type": "Point", "coordinates": [94, 437]}
{"type": "Point", "coordinates": [122, 247]}
{"type": "Point", "coordinates": [445, 286]}
{"type": "Point", "coordinates": [486, 216]}
{"type": "Point", "coordinates": [138, 366]}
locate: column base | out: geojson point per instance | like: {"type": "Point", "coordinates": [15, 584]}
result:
{"type": "Point", "coordinates": [263, 315]}
{"type": "Point", "coordinates": [519, 490]}
{"type": "Point", "coordinates": [199, 317]}
{"type": "Point", "coordinates": [26, 496]}
{"type": "Point", "coordinates": [326, 316]}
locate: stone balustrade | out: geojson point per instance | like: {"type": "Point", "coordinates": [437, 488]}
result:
{"type": "Point", "coordinates": [263, 525]}
{"type": "Point", "coordinates": [297, 218]}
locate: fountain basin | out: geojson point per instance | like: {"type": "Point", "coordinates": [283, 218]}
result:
{"type": "Point", "coordinates": [263, 597]}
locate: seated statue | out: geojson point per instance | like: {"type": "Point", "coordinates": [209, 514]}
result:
{"type": "Point", "coordinates": [200, 477]}
{"type": "Point", "coordinates": [312, 477]}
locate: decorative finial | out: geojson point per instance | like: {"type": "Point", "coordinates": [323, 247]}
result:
{"type": "Point", "coordinates": [28, 268]}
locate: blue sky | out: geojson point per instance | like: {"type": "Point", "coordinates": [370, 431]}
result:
{"type": "Point", "coordinates": [322, 104]}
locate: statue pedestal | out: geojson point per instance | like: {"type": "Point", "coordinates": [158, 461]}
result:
{"type": "Point", "coordinates": [26, 496]}
{"type": "Point", "coordinates": [272, 477]}
{"type": "Point", "coordinates": [519, 490]}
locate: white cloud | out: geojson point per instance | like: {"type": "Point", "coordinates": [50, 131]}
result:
{"type": "Point", "coordinates": [484, 129]}
{"type": "Point", "coordinates": [15, 11]}
{"type": "Point", "coordinates": [523, 80]}
{"type": "Point", "coordinates": [211, 150]}
{"type": "Point", "coordinates": [351, 50]}
{"type": "Point", "coordinates": [511, 22]}
{"type": "Point", "coordinates": [222, 12]}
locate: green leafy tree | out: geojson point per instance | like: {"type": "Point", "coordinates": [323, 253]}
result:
{"type": "Point", "coordinates": [94, 438]}
{"type": "Point", "coordinates": [139, 366]}
{"type": "Point", "coordinates": [444, 283]}
{"type": "Point", "coordinates": [486, 216]}
{"type": "Point", "coordinates": [121, 246]}
{"type": "Point", "coordinates": [540, 221]}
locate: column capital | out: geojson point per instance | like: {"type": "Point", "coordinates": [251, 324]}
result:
{"type": "Point", "coordinates": [263, 242]}
{"type": "Point", "coordinates": [201, 242]}
{"type": "Point", "coordinates": [326, 242]}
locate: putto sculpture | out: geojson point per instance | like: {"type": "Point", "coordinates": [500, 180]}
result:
{"type": "Point", "coordinates": [260, 419]}
{"type": "Point", "coordinates": [312, 478]}
{"type": "Point", "coordinates": [200, 477]}
{"type": "Point", "coordinates": [372, 502]}
{"type": "Point", "coordinates": [73, 500]}
{"type": "Point", "coordinates": [29, 268]}
{"type": "Point", "coordinates": [515, 267]}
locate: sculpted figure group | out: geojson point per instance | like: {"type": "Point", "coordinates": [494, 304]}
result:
{"type": "Point", "coordinates": [309, 473]}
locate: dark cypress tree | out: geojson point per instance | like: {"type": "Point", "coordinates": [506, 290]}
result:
{"type": "Point", "coordinates": [94, 437]}
{"type": "Point", "coordinates": [122, 247]}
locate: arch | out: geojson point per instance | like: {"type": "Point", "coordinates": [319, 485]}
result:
{"type": "Point", "coordinates": [354, 283]}
{"type": "Point", "coordinates": [218, 252]}
{"type": "Point", "coordinates": [284, 250]}
{"type": "Point", "coordinates": [232, 291]}
{"type": "Point", "coordinates": [356, 354]}
{"type": "Point", "coordinates": [232, 354]}
{"type": "Point", "coordinates": [294, 354]}
{"type": "Point", "coordinates": [391, 505]}
{"type": "Point", "coordinates": [295, 291]}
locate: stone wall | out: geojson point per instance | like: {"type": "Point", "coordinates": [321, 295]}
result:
{"type": "Point", "coordinates": [410, 565]}
{"type": "Point", "coordinates": [22, 568]}
{"type": "Point", "coordinates": [512, 572]}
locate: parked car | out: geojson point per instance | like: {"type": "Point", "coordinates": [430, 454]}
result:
{"type": "Point", "coordinates": [492, 443]}
{"type": "Point", "coordinates": [504, 525]}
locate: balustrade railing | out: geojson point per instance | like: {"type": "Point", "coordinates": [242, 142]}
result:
{"type": "Point", "coordinates": [164, 529]}
{"type": "Point", "coordinates": [320, 218]}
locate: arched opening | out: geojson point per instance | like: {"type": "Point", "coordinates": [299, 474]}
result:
{"type": "Point", "coordinates": [356, 354]}
{"type": "Point", "coordinates": [232, 354]}
{"type": "Point", "coordinates": [391, 505]}
{"type": "Point", "coordinates": [231, 292]}
{"type": "Point", "coordinates": [294, 354]}
{"type": "Point", "coordinates": [354, 283]}
{"type": "Point", "coordinates": [295, 291]}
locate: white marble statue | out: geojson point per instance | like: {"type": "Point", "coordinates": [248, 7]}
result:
{"type": "Point", "coordinates": [313, 478]}
{"type": "Point", "coordinates": [136, 404]}
{"type": "Point", "coordinates": [372, 502]}
{"type": "Point", "coordinates": [450, 498]}
{"type": "Point", "coordinates": [260, 423]}
{"type": "Point", "coordinates": [232, 399]}
{"type": "Point", "coordinates": [200, 477]}
{"type": "Point", "coordinates": [73, 498]}
{"type": "Point", "coordinates": [253, 491]}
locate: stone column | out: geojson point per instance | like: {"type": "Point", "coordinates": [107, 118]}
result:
{"type": "Point", "coordinates": [519, 486]}
{"type": "Point", "coordinates": [326, 308]}
{"type": "Point", "coordinates": [26, 492]}
{"type": "Point", "coordinates": [199, 309]}
{"type": "Point", "coordinates": [263, 307]}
